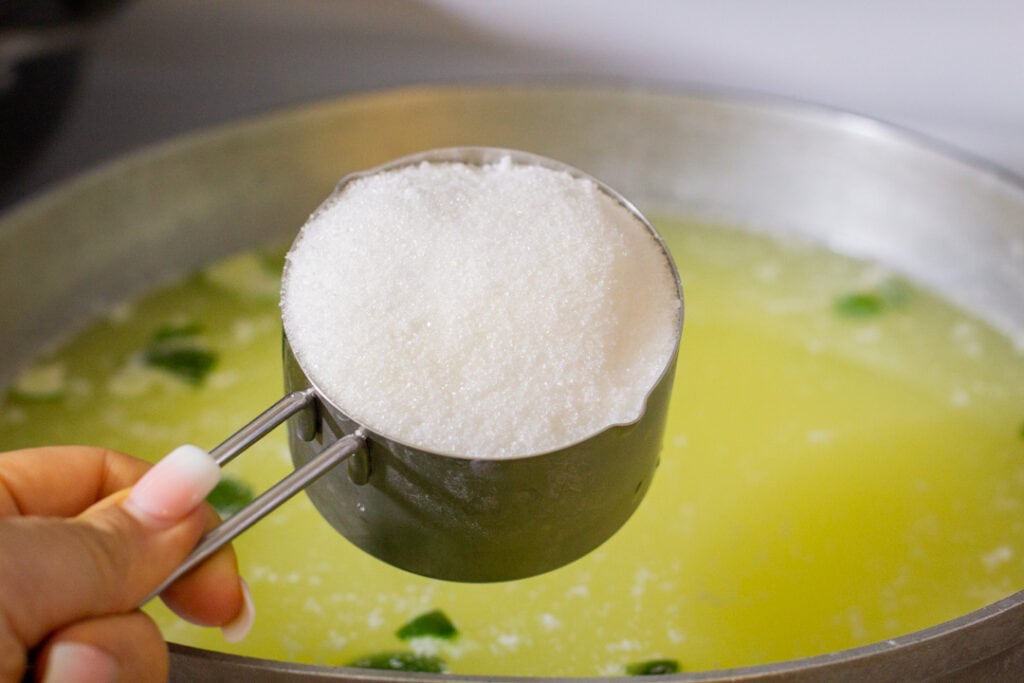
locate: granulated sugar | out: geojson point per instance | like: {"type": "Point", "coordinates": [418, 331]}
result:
{"type": "Point", "coordinates": [487, 311]}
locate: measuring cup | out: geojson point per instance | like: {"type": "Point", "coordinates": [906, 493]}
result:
{"type": "Point", "coordinates": [453, 516]}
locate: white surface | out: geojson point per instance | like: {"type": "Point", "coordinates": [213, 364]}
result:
{"type": "Point", "coordinates": [951, 70]}
{"type": "Point", "coordinates": [407, 304]}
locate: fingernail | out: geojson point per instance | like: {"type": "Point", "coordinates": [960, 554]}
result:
{"type": "Point", "coordinates": [173, 487]}
{"type": "Point", "coordinates": [70, 661]}
{"type": "Point", "coordinates": [238, 628]}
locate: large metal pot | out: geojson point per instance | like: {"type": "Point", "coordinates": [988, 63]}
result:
{"type": "Point", "coordinates": [860, 187]}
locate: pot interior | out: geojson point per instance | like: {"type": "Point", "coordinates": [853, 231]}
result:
{"type": "Point", "coordinates": [853, 185]}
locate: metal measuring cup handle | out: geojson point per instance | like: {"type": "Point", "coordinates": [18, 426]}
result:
{"type": "Point", "coordinates": [301, 477]}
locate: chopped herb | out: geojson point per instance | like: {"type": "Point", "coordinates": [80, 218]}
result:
{"type": "Point", "coordinates": [653, 667]}
{"type": "Point", "coordinates": [174, 348]}
{"type": "Point", "coordinates": [192, 364]}
{"type": "Point", "coordinates": [401, 661]}
{"type": "Point", "coordinates": [229, 496]}
{"type": "Point", "coordinates": [888, 294]}
{"type": "Point", "coordinates": [168, 332]}
{"type": "Point", "coordinates": [433, 624]}
{"type": "Point", "coordinates": [860, 304]}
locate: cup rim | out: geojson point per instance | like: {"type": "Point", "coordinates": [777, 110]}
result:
{"type": "Point", "coordinates": [482, 156]}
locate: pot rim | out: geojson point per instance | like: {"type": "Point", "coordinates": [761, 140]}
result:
{"type": "Point", "coordinates": [1005, 613]}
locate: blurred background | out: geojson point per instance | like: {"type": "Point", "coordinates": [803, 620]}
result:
{"type": "Point", "coordinates": [84, 81]}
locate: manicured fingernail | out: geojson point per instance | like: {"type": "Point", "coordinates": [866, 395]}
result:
{"type": "Point", "coordinates": [174, 487]}
{"type": "Point", "coordinates": [238, 628]}
{"type": "Point", "coordinates": [69, 661]}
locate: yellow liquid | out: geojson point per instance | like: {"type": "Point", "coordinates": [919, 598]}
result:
{"type": "Point", "coordinates": [827, 480]}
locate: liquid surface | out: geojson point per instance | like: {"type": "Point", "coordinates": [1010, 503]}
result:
{"type": "Point", "coordinates": [409, 307]}
{"type": "Point", "coordinates": [844, 463]}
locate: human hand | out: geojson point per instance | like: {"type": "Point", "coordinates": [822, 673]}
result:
{"type": "Point", "coordinates": [79, 551]}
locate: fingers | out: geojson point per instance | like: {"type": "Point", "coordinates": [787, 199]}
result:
{"type": "Point", "coordinates": [173, 488]}
{"type": "Point", "coordinates": [121, 647]}
{"type": "Point", "coordinates": [31, 479]}
{"type": "Point", "coordinates": [55, 572]}
{"type": "Point", "coordinates": [212, 595]}
{"type": "Point", "coordinates": [62, 481]}
{"type": "Point", "coordinates": [209, 595]}
{"type": "Point", "coordinates": [110, 557]}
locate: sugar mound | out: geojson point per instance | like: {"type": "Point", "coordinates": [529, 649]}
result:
{"type": "Point", "coordinates": [485, 311]}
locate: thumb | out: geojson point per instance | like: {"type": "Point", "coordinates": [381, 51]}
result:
{"type": "Point", "coordinates": [55, 572]}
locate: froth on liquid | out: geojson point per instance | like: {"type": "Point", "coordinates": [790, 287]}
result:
{"type": "Point", "coordinates": [487, 311]}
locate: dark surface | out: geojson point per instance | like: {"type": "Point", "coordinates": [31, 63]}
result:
{"type": "Point", "coordinates": [148, 71]}
{"type": "Point", "coordinates": [41, 46]}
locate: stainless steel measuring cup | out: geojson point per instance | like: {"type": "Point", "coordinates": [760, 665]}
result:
{"type": "Point", "coordinates": [453, 516]}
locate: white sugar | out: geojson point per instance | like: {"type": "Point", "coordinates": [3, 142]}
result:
{"type": "Point", "coordinates": [486, 311]}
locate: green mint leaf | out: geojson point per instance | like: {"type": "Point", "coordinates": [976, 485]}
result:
{"type": "Point", "coordinates": [859, 304]}
{"type": "Point", "coordinates": [189, 363]}
{"type": "Point", "coordinates": [653, 667]}
{"type": "Point", "coordinates": [229, 496]}
{"type": "Point", "coordinates": [887, 295]}
{"type": "Point", "coordinates": [433, 624]}
{"type": "Point", "coordinates": [401, 661]}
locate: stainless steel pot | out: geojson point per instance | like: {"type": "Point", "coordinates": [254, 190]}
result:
{"type": "Point", "coordinates": [858, 186]}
